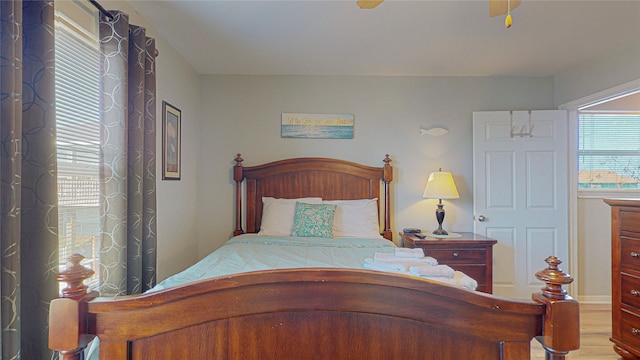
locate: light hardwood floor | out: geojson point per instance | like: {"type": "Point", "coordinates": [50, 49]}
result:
{"type": "Point", "coordinates": [595, 330]}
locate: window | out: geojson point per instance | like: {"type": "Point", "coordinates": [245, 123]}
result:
{"type": "Point", "coordinates": [78, 138]}
{"type": "Point", "coordinates": [609, 149]}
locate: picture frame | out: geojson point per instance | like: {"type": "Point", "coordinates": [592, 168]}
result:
{"type": "Point", "coordinates": [171, 142]}
{"type": "Point", "coordinates": [317, 126]}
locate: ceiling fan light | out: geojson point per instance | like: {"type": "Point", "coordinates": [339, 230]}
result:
{"type": "Point", "coordinates": [501, 7]}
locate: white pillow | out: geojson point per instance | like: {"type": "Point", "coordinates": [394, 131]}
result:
{"type": "Point", "coordinates": [356, 218]}
{"type": "Point", "coordinates": [278, 214]}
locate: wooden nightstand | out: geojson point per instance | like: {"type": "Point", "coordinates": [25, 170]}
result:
{"type": "Point", "coordinates": [472, 254]}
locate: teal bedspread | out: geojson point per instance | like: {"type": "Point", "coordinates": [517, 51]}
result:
{"type": "Point", "coordinates": [252, 252]}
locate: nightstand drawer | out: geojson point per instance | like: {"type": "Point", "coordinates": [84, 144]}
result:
{"type": "Point", "coordinates": [469, 253]}
{"type": "Point", "coordinates": [454, 255]}
{"type": "Point", "coordinates": [476, 272]}
{"type": "Point", "coordinates": [630, 290]}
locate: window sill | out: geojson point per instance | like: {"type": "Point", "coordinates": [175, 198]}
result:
{"type": "Point", "coordinates": [606, 194]}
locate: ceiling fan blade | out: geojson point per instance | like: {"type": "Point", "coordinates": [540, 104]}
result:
{"type": "Point", "coordinates": [368, 4]}
{"type": "Point", "coordinates": [499, 7]}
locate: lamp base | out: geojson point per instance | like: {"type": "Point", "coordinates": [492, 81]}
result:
{"type": "Point", "coordinates": [440, 232]}
{"type": "Point", "coordinates": [440, 218]}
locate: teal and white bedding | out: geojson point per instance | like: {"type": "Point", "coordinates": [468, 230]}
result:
{"type": "Point", "coordinates": [251, 252]}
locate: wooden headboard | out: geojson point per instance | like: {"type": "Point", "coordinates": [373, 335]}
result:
{"type": "Point", "coordinates": [331, 179]}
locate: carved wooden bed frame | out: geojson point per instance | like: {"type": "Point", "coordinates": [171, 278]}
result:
{"type": "Point", "coordinates": [330, 179]}
{"type": "Point", "coordinates": [313, 313]}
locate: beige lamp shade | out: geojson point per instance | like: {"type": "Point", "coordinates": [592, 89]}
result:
{"type": "Point", "coordinates": [440, 185]}
{"type": "Point", "coordinates": [368, 4]}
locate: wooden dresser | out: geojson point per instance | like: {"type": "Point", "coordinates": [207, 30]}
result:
{"type": "Point", "coordinates": [625, 276]}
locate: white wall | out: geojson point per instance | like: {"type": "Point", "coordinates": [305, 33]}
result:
{"type": "Point", "coordinates": [241, 114]}
{"type": "Point", "coordinates": [594, 250]}
{"type": "Point", "coordinates": [178, 84]}
{"type": "Point", "coordinates": [593, 215]}
{"type": "Point", "coordinates": [597, 75]}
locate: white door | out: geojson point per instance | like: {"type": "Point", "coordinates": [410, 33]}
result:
{"type": "Point", "coordinates": [520, 193]}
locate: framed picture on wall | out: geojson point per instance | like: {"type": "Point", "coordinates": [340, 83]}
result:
{"type": "Point", "coordinates": [317, 126]}
{"type": "Point", "coordinates": [171, 124]}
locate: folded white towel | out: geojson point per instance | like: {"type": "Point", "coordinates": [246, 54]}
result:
{"type": "Point", "coordinates": [458, 279]}
{"type": "Point", "coordinates": [371, 264]}
{"type": "Point", "coordinates": [432, 271]}
{"type": "Point", "coordinates": [409, 253]}
{"type": "Point", "coordinates": [391, 258]}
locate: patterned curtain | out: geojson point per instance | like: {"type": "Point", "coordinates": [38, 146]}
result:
{"type": "Point", "coordinates": [128, 161]}
{"type": "Point", "coordinates": [28, 178]}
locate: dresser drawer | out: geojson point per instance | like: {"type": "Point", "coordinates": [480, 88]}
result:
{"type": "Point", "coordinates": [629, 253]}
{"type": "Point", "coordinates": [630, 329]}
{"type": "Point", "coordinates": [630, 290]}
{"type": "Point", "coordinates": [455, 255]}
{"type": "Point", "coordinates": [630, 221]}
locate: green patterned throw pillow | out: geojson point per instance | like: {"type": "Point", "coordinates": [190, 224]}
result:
{"type": "Point", "coordinates": [313, 220]}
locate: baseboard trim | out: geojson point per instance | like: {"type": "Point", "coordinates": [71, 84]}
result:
{"type": "Point", "coordinates": [594, 299]}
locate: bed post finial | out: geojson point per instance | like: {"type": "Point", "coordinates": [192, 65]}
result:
{"type": "Point", "coordinates": [554, 278]}
{"type": "Point", "coordinates": [74, 276]}
{"type": "Point", "coordinates": [68, 323]}
{"type": "Point", "coordinates": [238, 176]}
{"type": "Point", "coordinates": [561, 327]}
{"type": "Point", "coordinates": [387, 174]}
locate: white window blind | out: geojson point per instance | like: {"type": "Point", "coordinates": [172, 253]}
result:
{"type": "Point", "coordinates": [78, 139]}
{"type": "Point", "coordinates": [609, 150]}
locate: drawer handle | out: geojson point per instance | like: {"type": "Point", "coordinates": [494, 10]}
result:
{"type": "Point", "coordinates": [455, 254]}
{"type": "Point", "coordinates": [635, 255]}
{"type": "Point", "coordinates": [635, 292]}
{"type": "Point", "coordinates": [635, 331]}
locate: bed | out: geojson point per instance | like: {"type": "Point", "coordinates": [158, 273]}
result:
{"type": "Point", "coordinates": [318, 310]}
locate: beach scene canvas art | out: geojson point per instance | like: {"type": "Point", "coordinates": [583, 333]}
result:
{"type": "Point", "coordinates": [317, 126]}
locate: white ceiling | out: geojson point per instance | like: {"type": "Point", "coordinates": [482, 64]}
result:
{"type": "Point", "coordinates": [399, 37]}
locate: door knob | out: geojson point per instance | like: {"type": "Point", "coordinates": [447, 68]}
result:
{"type": "Point", "coordinates": [482, 218]}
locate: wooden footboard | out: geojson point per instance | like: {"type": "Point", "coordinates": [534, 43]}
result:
{"type": "Point", "coordinates": [314, 314]}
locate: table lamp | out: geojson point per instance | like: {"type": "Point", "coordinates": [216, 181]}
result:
{"type": "Point", "coordinates": [440, 185]}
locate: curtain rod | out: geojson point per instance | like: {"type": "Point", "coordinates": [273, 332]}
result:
{"type": "Point", "coordinates": [110, 17]}
{"type": "Point", "coordinates": [101, 9]}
